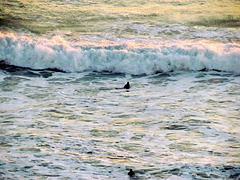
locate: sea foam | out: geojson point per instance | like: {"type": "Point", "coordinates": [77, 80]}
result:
{"type": "Point", "coordinates": [126, 56]}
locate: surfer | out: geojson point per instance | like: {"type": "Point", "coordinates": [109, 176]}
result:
{"type": "Point", "coordinates": [127, 86]}
{"type": "Point", "coordinates": [131, 173]}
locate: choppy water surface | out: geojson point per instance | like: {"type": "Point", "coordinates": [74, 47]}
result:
{"type": "Point", "coordinates": [163, 19]}
{"type": "Point", "coordinates": [62, 118]}
{"type": "Point", "coordinates": [78, 126]}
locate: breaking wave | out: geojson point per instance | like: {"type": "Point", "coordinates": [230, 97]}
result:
{"type": "Point", "coordinates": [126, 56]}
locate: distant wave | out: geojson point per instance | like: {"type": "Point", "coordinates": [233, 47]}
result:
{"type": "Point", "coordinates": [125, 57]}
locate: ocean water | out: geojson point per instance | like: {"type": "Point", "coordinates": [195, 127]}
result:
{"type": "Point", "coordinates": [63, 114]}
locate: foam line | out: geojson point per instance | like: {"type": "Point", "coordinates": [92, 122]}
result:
{"type": "Point", "coordinates": [126, 57]}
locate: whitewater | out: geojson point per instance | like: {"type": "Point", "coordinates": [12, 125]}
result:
{"type": "Point", "coordinates": [128, 57]}
{"type": "Point", "coordinates": [65, 115]}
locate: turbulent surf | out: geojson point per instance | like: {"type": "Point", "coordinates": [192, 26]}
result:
{"type": "Point", "coordinates": [64, 113]}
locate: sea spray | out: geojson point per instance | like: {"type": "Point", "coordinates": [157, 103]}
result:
{"type": "Point", "coordinates": [127, 57]}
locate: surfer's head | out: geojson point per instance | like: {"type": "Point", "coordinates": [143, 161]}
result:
{"type": "Point", "coordinates": [127, 86]}
{"type": "Point", "coordinates": [131, 173]}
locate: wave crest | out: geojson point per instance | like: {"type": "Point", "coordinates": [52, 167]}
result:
{"type": "Point", "coordinates": [127, 56]}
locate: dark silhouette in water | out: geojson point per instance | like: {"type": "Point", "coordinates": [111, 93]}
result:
{"type": "Point", "coordinates": [127, 86]}
{"type": "Point", "coordinates": [131, 173]}
{"type": "Point", "coordinates": [26, 71]}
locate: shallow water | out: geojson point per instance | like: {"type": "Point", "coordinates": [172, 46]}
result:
{"type": "Point", "coordinates": [78, 126]}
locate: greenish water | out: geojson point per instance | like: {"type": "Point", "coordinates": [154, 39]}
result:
{"type": "Point", "coordinates": [162, 19]}
{"type": "Point", "coordinates": [62, 116]}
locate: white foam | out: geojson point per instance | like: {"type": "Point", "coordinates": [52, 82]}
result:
{"type": "Point", "coordinates": [128, 56]}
